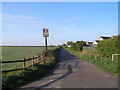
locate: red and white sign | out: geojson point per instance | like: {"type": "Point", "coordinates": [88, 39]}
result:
{"type": "Point", "coordinates": [45, 32]}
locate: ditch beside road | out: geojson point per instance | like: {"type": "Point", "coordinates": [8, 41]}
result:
{"type": "Point", "coordinates": [72, 72]}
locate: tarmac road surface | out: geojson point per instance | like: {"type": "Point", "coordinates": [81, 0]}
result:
{"type": "Point", "coordinates": [72, 72]}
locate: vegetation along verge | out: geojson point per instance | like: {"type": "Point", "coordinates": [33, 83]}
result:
{"type": "Point", "coordinates": [100, 54]}
{"type": "Point", "coordinates": [19, 78]}
{"type": "Point", "coordinates": [105, 63]}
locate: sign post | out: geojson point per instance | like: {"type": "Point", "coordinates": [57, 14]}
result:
{"type": "Point", "coordinates": [45, 34]}
{"type": "Point", "coordinates": [46, 43]}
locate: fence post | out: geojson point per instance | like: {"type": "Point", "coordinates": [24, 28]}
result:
{"type": "Point", "coordinates": [39, 58]}
{"type": "Point", "coordinates": [24, 64]}
{"type": "Point", "coordinates": [33, 61]}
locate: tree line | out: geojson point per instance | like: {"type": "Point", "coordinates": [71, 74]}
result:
{"type": "Point", "coordinates": [105, 48]}
{"type": "Point", "coordinates": [77, 46]}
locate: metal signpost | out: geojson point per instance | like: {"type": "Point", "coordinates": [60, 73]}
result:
{"type": "Point", "coordinates": [113, 56]}
{"type": "Point", "coordinates": [45, 34]}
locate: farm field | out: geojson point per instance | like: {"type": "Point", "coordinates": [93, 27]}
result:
{"type": "Point", "coordinates": [19, 53]}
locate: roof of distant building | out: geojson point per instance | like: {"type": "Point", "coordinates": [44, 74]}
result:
{"type": "Point", "coordinates": [104, 37]}
{"type": "Point", "coordinates": [97, 40]}
{"type": "Point", "coordinates": [89, 42]}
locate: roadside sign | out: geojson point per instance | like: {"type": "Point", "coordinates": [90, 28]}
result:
{"type": "Point", "coordinates": [45, 32]}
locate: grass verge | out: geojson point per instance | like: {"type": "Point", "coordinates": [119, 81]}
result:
{"type": "Point", "coordinates": [105, 63]}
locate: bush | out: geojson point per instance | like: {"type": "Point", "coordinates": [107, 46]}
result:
{"type": "Point", "coordinates": [78, 46]}
{"type": "Point", "coordinates": [108, 47]}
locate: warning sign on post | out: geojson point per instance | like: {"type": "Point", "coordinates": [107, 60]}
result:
{"type": "Point", "coordinates": [45, 32]}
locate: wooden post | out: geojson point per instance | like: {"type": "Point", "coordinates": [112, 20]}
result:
{"type": "Point", "coordinates": [33, 61]}
{"type": "Point", "coordinates": [24, 64]}
{"type": "Point", "coordinates": [40, 59]}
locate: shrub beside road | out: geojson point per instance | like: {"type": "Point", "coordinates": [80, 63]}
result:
{"type": "Point", "coordinates": [108, 47]}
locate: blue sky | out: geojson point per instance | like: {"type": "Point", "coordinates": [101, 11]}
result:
{"type": "Point", "coordinates": [67, 21]}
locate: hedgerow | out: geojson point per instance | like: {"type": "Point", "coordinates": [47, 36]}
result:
{"type": "Point", "coordinates": [104, 63]}
{"type": "Point", "coordinates": [108, 47]}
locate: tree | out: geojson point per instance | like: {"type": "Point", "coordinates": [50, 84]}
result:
{"type": "Point", "coordinates": [64, 45]}
{"type": "Point", "coordinates": [70, 43]}
{"type": "Point", "coordinates": [78, 46]}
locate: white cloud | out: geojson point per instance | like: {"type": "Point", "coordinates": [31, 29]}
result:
{"type": "Point", "coordinates": [21, 22]}
{"type": "Point", "coordinates": [18, 18]}
{"type": "Point", "coordinates": [73, 18]}
{"type": "Point", "coordinates": [15, 21]}
{"type": "Point", "coordinates": [28, 27]}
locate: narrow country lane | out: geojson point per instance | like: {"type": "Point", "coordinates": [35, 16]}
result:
{"type": "Point", "coordinates": [71, 72]}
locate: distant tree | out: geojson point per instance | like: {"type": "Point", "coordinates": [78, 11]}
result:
{"type": "Point", "coordinates": [78, 46]}
{"type": "Point", "coordinates": [58, 44]}
{"type": "Point", "coordinates": [64, 45]}
{"type": "Point", "coordinates": [70, 43]}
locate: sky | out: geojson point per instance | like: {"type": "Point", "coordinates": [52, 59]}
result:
{"type": "Point", "coordinates": [23, 22]}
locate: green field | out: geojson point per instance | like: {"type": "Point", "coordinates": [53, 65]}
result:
{"type": "Point", "coordinates": [19, 78]}
{"type": "Point", "coordinates": [19, 53]}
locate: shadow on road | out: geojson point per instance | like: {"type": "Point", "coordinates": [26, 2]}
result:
{"type": "Point", "coordinates": [66, 61]}
{"type": "Point", "coordinates": [63, 76]}
{"type": "Point", "coordinates": [51, 81]}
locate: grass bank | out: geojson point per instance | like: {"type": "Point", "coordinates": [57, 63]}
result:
{"type": "Point", "coordinates": [16, 79]}
{"type": "Point", "coordinates": [105, 63]}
